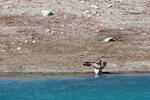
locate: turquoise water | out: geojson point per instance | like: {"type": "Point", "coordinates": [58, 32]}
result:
{"type": "Point", "coordinates": [107, 87]}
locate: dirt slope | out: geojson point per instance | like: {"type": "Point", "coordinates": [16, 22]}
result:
{"type": "Point", "coordinates": [30, 42]}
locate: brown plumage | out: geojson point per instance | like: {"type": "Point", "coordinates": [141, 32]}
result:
{"type": "Point", "coordinates": [98, 65]}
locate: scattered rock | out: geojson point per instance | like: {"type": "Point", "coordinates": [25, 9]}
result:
{"type": "Point", "coordinates": [94, 12]}
{"type": "Point", "coordinates": [121, 28]}
{"type": "Point", "coordinates": [94, 6]}
{"type": "Point", "coordinates": [12, 43]}
{"type": "Point", "coordinates": [109, 39]}
{"type": "Point", "coordinates": [144, 33]}
{"type": "Point", "coordinates": [18, 48]}
{"type": "Point", "coordinates": [83, 0]}
{"type": "Point", "coordinates": [114, 65]}
{"type": "Point", "coordinates": [47, 13]}
{"type": "Point", "coordinates": [61, 32]}
{"type": "Point", "coordinates": [3, 50]}
{"type": "Point", "coordinates": [33, 41]}
{"type": "Point", "coordinates": [25, 41]}
{"type": "Point", "coordinates": [52, 32]}
{"type": "Point", "coordinates": [109, 6]}
{"type": "Point", "coordinates": [97, 14]}
{"type": "Point", "coordinates": [97, 30]}
{"type": "Point", "coordinates": [47, 30]}
{"type": "Point", "coordinates": [89, 15]}
{"type": "Point", "coordinates": [87, 11]}
{"type": "Point", "coordinates": [109, 12]}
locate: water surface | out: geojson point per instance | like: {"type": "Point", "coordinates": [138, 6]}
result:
{"type": "Point", "coordinates": [107, 87]}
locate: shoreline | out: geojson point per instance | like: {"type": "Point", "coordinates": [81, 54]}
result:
{"type": "Point", "coordinates": [58, 75]}
{"type": "Point", "coordinates": [44, 46]}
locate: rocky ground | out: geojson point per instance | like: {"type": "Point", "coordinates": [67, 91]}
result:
{"type": "Point", "coordinates": [30, 42]}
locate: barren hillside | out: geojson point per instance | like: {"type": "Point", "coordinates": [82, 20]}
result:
{"type": "Point", "coordinates": [30, 42]}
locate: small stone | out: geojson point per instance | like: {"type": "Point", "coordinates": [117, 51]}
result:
{"type": "Point", "coordinates": [94, 6]}
{"type": "Point", "coordinates": [87, 11]}
{"type": "Point", "coordinates": [121, 1]}
{"type": "Point", "coordinates": [122, 28]}
{"type": "Point", "coordinates": [25, 41]}
{"type": "Point", "coordinates": [109, 6]}
{"type": "Point", "coordinates": [47, 30]}
{"type": "Point", "coordinates": [33, 41]}
{"type": "Point", "coordinates": [97, 14]}
{"type": "Point", "coordinates": [18, 48]}
{"type": "Point", "coordinates": [83, 1]}
{"type": "Point", "coordinates": [142, 63]}
{"type": "Point", "coordinates": [89, 15]}
{"type": "Point", "coordinates": [98, 31]}
{"type": "Point", "coordinates": [47, 13]}
{"type": "Point", "coordinates": [109, 39]}
{"type": "Point", "coordinates": [2, 50]}
{"type": "Point", "coordinates": [93, 11]}
{"type": "Point", "coordinates": [144, 33]}
{"type": "Point", "coordinates": [61, 32]}
{"type": "Point", "coordinates": [13, 43]}
{"type": "Point", "coordinates": [100, 24]}
{"type": "Point", "coordinates": [114, 65]}
{"type": "Point", "coordinates": [52, 32]}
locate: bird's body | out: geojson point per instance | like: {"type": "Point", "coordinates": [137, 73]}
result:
{"type": "Point", "coordinates": [97, 66]}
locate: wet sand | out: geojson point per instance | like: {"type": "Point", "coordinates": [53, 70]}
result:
{"type": "Point", "coordinates": [63, 75]}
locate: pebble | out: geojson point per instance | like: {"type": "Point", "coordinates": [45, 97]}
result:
{"type": "Point", "coordinates": [142, 63]}
{"type": "Point", "coordinates": [109, 39]}
{"type": "Point", "coordinates": [61, 32]}
{"type": "Point", "coordinates": [94, 6]}
{"type": "Point", "coordinates": [47, 30]}
{"type": "Point", "coordinates": [109, 6]}
{"type": "Point", "coordinates": [83, 1]}
{"type": "Point", "coordinates": [97, 14]}
{"type": "Point", "coordinates": [33, 41]}
{"type": "Point", "coordinates": [144, 33]}
{"type": "Point", "coordinates": [2, 50]}
{"type": "Point", "coordinates": [52, 32]}
{"type": "Point", "coordinates": [47, 13]}
{"type": "Point", "coordinates": [122, 28]}
{"type": "Point", "coordinates": [13, 43]}
{"type": "Point", "coordinates": [114, 65]}
{"type": "Point", "coordinates": [89, 15]}
{"type": "Point", "coordinates": [25, 41]}
{"type": "Point", "coordinates": [87, 11]}
{"type": "Point", "coordinates": [18, 48]}
{"type": "Point", "coordinates": [98, 31]}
